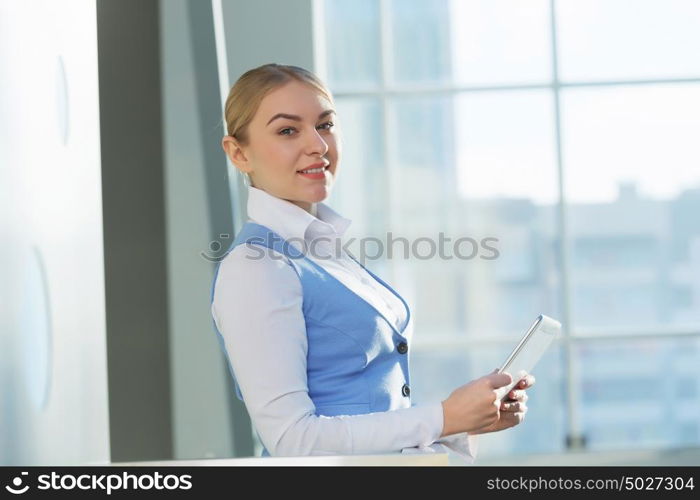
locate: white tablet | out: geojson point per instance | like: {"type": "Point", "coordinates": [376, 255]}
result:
{"type": "Point", "coordinates": [529, 350]}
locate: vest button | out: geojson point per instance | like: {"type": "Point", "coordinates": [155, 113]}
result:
{"type": "Point", "coordinates": [402, 348]}
{"type": "Point", "coordinates": [406, 390]}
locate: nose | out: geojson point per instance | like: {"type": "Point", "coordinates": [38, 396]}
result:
{"type": "Point", "coordinates": [316, 145]}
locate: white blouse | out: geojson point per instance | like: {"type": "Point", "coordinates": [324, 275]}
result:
{"type": "Point", "coordinates": [265, 338]}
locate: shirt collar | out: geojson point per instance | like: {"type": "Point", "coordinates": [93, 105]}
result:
{"type": "Point", "coordinates": [291, 221]}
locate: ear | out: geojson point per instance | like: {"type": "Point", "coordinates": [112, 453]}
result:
{"type": "Point", "coordinates": [236, 154]}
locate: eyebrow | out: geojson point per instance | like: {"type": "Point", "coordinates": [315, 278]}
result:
{"type": "Point", "coordinates": [296, 117]}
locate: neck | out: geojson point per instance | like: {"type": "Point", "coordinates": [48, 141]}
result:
{"type": "Point", "coordinates": [309, 207]}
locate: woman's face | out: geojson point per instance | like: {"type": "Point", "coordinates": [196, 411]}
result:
{"type": "Point", "coordinates": [292, 130]}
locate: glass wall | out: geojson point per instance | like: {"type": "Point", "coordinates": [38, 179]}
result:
{"type": "Point", "coordinates": [563, 134]}
{"type": "Point", "coordinates": [53, 364]}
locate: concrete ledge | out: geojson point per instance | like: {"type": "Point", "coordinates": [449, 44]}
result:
{"type": "Point", "coordinates": [402, 460]}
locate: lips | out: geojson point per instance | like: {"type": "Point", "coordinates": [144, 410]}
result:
{"type": "Point", "coordinates": [314, 166]}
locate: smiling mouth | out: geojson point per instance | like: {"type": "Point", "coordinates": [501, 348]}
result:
{"type": "Point", "coordinates": [315, 170]}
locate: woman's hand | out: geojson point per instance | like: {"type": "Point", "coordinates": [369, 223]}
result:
{"type": "Point", "coordinates": [474, 405]}
{"type": "Point", "coordinates": [513, 409]}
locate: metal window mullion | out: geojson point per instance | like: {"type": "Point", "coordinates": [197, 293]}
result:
{"type": "Point", "coordinates": [318, 27]}
{"type": "Point", "coordinates": [386, 62]}
{"type": "Point", "coordinates": [582, 338]}
{"type": "Point", "coordinates": [455, 89]}
{"type": "Point", "coordinates": [624, 83]}
{"type": "Point", "coordinates": [574, 438]}
{"type": "Point", "coordinates": [455, 342]}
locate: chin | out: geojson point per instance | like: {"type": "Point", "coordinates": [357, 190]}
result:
{"type": "Point", "coordinates": [319, 194]}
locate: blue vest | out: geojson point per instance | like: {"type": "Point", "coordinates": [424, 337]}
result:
{"type": "Point", "coordinates": [357, 360]}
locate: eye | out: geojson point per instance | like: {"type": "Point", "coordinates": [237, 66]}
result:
{"type": "Point", "coordinates": [323, 126]}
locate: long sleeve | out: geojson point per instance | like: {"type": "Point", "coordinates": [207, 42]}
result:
{"type": "Point", "coordinates": [461, 448]}
{"type": "Point", "coordinates": [257, 308]}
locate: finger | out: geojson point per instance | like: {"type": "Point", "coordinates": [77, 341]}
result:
{"type": "Point", "coordinates": [518, 395]}
{"type": "Point", "coordinates": [513, 418]}
{"type": "Point", "coordinates": [515, 395]}
{"type": "Point", "coordinates": [500, 379]}
{"type": "Point", "coordinates": [527, 382]}
{"type": "Point", "coordinates": [509, 420]}
{"type": "Point", "coordinates": [509, 406]}
{"type": "Point", "coordinates": [514, 407]}
{"type": "Point", "coordinates": [521, 396]}
{"type": "Point", "coordinates": [497, 405]}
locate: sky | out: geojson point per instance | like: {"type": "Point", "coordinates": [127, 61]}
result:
{"type": "Point", "coordinates": [644, 134]}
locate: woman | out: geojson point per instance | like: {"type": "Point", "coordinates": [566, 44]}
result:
{"type": "Point", "coordinates": [318, 345]}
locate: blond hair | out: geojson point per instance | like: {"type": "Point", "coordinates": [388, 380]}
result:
{"type": "Point", "coordinates": [247, 93]}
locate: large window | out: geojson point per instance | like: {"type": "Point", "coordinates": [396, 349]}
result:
{"type": "Point", "coordinates": [565, 130]}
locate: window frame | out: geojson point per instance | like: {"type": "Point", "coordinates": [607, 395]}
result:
{"type": "Point", "coordinates": [572, 337]}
